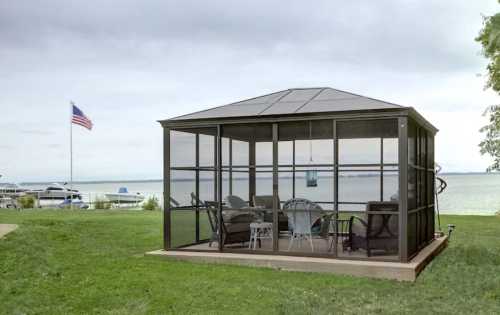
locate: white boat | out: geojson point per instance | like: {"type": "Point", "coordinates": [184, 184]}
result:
{"type": "Point", "coordinates": [7, 202]}
{"type": "Point", "coordinates": [11, 190]}
{"type": "Point", "coordinates": [55, 191]}
{"type": "Point", "coordinates": [123, 196]}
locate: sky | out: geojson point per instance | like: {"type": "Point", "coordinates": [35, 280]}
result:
{"type": "Point", "coordinates": [127, 64]}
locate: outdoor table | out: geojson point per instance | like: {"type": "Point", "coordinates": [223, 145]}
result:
{"type": "Point", "coordinates": [342, 229]}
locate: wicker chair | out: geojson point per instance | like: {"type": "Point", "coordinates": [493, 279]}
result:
{"type": "Point", "coordinates": [302, 215]}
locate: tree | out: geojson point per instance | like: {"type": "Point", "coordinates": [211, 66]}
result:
{"type": "Point", "coordinates": [491, 144]}
{"type": "Point", "coordinates": [489, 37]}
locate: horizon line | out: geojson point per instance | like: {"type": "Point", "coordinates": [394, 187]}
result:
{"type": "Point", "coordinates": [160, 180]}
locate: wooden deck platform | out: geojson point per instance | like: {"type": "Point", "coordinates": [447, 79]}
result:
{"type": "Point", "coordinates": [366, 268]}
{"type": "Point", "coordinates": [319, 247]}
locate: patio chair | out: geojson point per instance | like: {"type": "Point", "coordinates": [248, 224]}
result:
{"type": "Point", "coordinates": [302, 215]}
{"type": "Point", "coordinates": [174, 203]}
{"type": "Point", "coordinates": [235, 229]}
{"type": "Point", "coordinates": [196, 201]}
{"type": "Point", "coordinates": [266, 202]}
{"type": "Point", "coordinates": [235, 202]}
{"type": "Point", "coordinates": [375, 231]}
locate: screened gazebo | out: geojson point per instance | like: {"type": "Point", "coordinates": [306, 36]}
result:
{"type": "Point", "coordinates": [303, 172]}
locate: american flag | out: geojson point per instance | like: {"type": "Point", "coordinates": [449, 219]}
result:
{"type": "Point", "coordinates": [79, 118]}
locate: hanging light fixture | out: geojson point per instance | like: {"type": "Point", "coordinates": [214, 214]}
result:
{"type": "Point", "coordinates": [311, 174]}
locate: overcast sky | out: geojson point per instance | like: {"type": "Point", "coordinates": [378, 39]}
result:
{"type": "Point", "coordinates": [128, 63]}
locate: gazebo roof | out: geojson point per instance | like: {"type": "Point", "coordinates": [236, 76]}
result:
{"type": "Point", "coordinates": [297, 102]}
{"type": "Point", "coordinates": [293, 101]}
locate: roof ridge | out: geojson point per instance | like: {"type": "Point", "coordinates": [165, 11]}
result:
{"type": "Point", "coordinates": [275, 101]}
{"type": "Point", "coordinates": [310, 99]}
{"type": "Point", "coordinates": [311, 88]}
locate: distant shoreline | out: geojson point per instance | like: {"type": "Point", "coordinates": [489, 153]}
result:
{"type": "Point", "coordinates": [201, 179]}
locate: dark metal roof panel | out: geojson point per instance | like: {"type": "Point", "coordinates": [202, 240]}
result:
{"type": "Point", "coordinates": [268, 99]}
{"type": "Point", "coordinates": [344, 104]}
{"type": "Point", "coordinates": [332, 94]}
{"type": "Point", "coordinates": [227, 111]}
{"type": "Point", "coordinates": [283, 108]}
{"type": "Point", "coordinates": [293, 101]}
{"type": "Point", "coordinates": [300, 95]}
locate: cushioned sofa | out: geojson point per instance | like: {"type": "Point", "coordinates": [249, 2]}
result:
{"type": "Point", "coordinates": [235, 224]}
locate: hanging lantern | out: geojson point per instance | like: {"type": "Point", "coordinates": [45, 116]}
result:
{"type": "Point", "coordinates": [311, 175]}
{"type": "Point", "coordinates": [312, 178]}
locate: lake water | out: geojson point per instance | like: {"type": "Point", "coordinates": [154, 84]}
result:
{"type": "Point", "coordinates": [466, 194]}
{"type": "Point", "coordinates": [471, 194]}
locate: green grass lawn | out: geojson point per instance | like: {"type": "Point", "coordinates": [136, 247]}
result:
{"type": "Point", "coordinates": [61, 262]}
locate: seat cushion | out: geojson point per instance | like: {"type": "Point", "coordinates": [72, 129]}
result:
{"type": "Point", "coordinates": [265, 201]}
{"type": "Point", "coordinates": [233, 216]}
{"type": "Point", "coordinates": [237, 227]}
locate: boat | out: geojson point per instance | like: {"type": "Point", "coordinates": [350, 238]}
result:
{"type": "Point", "coordinates": [75, 204]}
{"type": "Point", "coordinates": [11, 190]}
{"type": "Point", "coordinates": [55, 191]}
{"type": "Point", "coordinates": [7, 202]}
{"type": "Point", "coordinates": [123, 196]}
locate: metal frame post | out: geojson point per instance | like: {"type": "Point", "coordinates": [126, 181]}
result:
{"type": "Point", "coordinates": [418, 182]}
{"type": "Point", "coordinates": [403, 187]}
{"type": "Point", "coordinates": [426, 187]}
{"type": "Point", "coordinates": [215, 166]}
{"type": "Point", "coordinates": [432, 181]}
{"type": "Point", "coordinates": [230, 166]}
{"type": "Point", "coordinates": [275, 189]}
{"type": "Point", "coordinates": [252, 171]}
{"type": "Point", "coordinates": [381, 169]}
{"type": "Point", "coordinates": [335, 186]}
{"type": "Point", "coordinates": [293, 169]}
{"type": "Point", "coordinates": [433, 184]}
{"type": "Point", "coordinates": [197, 188]}
{"type": "Point", "coordinates": [219, 186]}
{"type": "Point", "coordinates": [167, 233]}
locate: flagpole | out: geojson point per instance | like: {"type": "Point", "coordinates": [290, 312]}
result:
{"type": "Point", "coordinates": [71, 154]}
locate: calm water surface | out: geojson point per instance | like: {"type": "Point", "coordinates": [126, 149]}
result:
{"type": "Point", "coordinates": [466, 194]}
{"type": "Point", "coordinates": [471, 194]}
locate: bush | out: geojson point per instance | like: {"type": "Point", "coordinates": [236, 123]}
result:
{"type": "Point", "coordinates": [151, 204]}
{"type": "Point", "coordinates": [101, 204]}
{"type": "Point", "coordinates": [26, 202]}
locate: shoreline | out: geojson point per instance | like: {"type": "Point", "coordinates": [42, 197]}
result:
{"type": "Point", "coordinates": [208, 179]}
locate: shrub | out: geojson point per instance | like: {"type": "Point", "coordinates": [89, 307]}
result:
{"type": "Point", "coordinates": [26, 202]}
{"type": "Point", "coordinates": [101, 204]}
{"type": "Point", "coordinates": [151, 204]}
